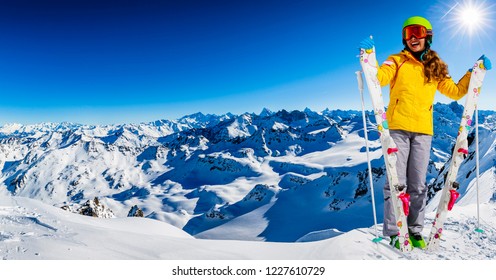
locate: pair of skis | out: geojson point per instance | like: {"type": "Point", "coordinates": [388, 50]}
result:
{"type": "Point", "coordinates": [399, 197]}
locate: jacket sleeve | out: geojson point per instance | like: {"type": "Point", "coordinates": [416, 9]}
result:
{"type": "Point", "coordinates": [387, 71]}
{"type": "Point", "coordinates": [454, 90]}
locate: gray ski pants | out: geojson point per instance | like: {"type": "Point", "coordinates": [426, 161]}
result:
{"type": "Point", "coordinates": [412, 162]}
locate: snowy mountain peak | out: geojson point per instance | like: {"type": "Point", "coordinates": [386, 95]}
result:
{"type": "Point", "coordinates": [265, 113]}
{"type": "Point", "coordinates": [211, 174]}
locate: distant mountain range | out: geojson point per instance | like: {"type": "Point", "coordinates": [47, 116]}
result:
{"type": "Point", "coordinates": [274, 176]}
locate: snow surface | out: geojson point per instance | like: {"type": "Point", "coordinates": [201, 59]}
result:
{"type": "Point", "coordinates": [32, 230]}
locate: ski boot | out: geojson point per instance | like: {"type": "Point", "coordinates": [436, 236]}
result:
{"type": "Point", "coordinates": [417, 240]}
{"type": "Point", "coordinates": [395, 241]}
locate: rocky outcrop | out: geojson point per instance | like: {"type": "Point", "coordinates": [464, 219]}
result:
{"type": "Point", "coordinates": [135, 212]}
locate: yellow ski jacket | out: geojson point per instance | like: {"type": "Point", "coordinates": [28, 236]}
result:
{"type": "Point", "coordinates": [411, 97]}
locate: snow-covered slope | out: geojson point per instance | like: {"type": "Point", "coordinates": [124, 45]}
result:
{"type": "Point", "coordinates": [278, 176]}
{"type": "Point", "coordinates": [33, 230]}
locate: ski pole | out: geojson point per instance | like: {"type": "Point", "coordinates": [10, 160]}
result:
{"type": "Point", "coordinates": [360, 88]}
{"type": "Point", "coordinates": [478, 229]}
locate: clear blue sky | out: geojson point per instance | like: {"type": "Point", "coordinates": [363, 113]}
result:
{"type": "Point", "coordinates": [121, 61]}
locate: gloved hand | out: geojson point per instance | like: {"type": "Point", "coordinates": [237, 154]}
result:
{"type": "Point", "coordinates": [486, 62]}
{"type": "Point", "coordinates": [366, 44]}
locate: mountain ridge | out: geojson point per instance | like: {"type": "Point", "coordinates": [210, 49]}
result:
{"type": "Point", "coordinates": [202, 172]}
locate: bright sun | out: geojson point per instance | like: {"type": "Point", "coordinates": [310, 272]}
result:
{"type": "Point", "coordinates": [471, 16]}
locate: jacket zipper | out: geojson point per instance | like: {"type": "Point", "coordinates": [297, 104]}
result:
{"type": "Point", "coordinates": [393, 82]}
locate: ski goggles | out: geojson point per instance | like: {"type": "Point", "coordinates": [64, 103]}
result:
{"type": "Point", "coordinates": [418, 31]}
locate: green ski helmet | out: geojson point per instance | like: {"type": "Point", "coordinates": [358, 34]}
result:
{"type": "Point", "coordinates": [418, 20]}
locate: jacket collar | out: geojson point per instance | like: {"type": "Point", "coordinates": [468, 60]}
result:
{"type": "Point", "coordinates": [409, 56]}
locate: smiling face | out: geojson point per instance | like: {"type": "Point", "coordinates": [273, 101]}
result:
{"type": "Point", "coordinates": [416, 45]}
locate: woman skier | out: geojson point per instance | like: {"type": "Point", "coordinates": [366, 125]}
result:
{"type": "Point", "coordinates": [414, 75]}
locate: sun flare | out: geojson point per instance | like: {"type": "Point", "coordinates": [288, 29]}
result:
{"type": "Point", "coordinates": [472, 17]}
{"type": "Point", "coordinates": [472, 20]}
